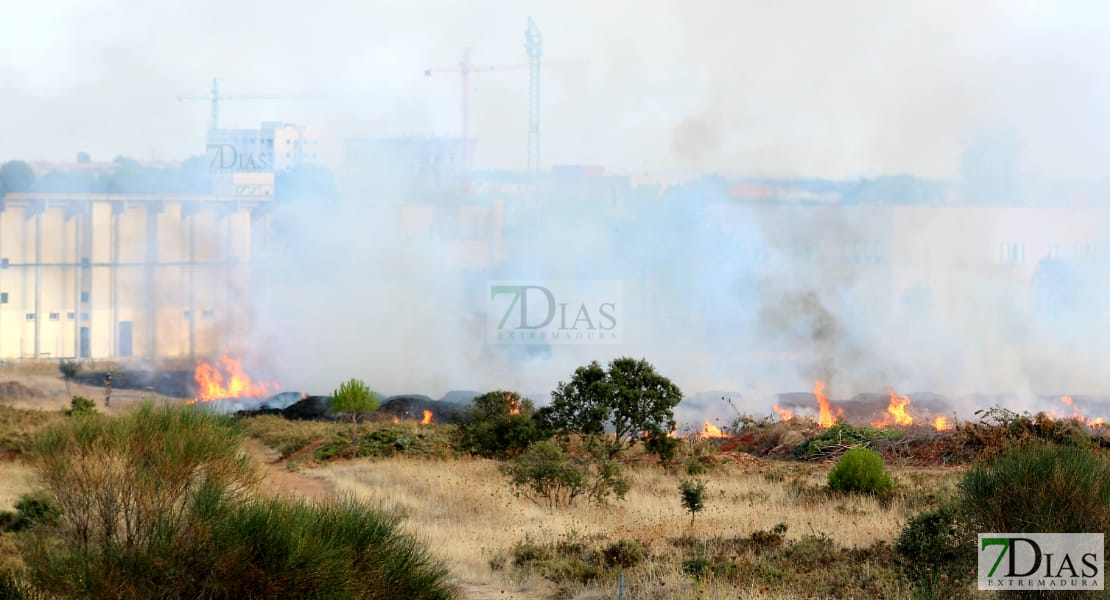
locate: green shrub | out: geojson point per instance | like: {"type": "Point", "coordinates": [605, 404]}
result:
{"type": "Point", "coordinates": [762, 541]}
{"type": "Point", "coordinates": [388, 440]}
{"type": "Point", "coordinates": [933, 541]}
{"type": "Point", "coordinates": [693, 496]}
{"type": "Point", "coordinates": [32, 510]}
{"type": "Point", "coordinates": [80, 405]}
{"type": "Point", "coordinates": [624, 553]}
{"type": "Point", "coordinates": [498, 424]}
{"type": "Point", "coordinates": [548, 474]}
{"type": "Point", "coordinates": [12, 587]}
{"type": "Point", "coordinates": [354, 398]}
{"type": "Point", "coordinates": [695, 467]}
{"type": "Point", "coordinates": [69, 368]}
{"type": "Point", "coordinates": [1039, 487]}
{"type": "Point", "coordinates": [662, 445]}
{"type": "Point", "coordinates": [861, 470]}
{"type": "Point", "coordinates": [1033, 487]}
{"type": "Point", "coordinates": [157, 504]}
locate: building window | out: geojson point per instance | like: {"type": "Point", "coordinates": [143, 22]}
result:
{"type": "Point", "coordinates": [3, 297]}
{"type": "Point", "coordinates": [84, 297]}
{"type": "Point", "coordinates": [71, 316]}
{"type": "Point", "coordinates": [1012, 254]}
{"type": "Point", "coordinates": [84, 316]}
{"type": "Point", "coordinates": [207, 314]}
{"type": "Point", "coordinates": [55, 316]}
{"type": "Point", "coordinates": [188, 314]}
{"type": "Point", "coordinates": [3, 263]}
{"type": "Point", "coordinates": [30, 316]}
{"type": "Point", "coordinates": [85, 263]}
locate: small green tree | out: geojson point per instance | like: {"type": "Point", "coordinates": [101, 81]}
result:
{"type": "Point", "coordinates": [693, 496]}
{"type": "Point", "coordinates": [354, 397]}
{"type": "Point", "coordinates": [630, 398]}
{"type": "Point", "coordinates": [861, 470]}
{"type": "Point", "coordinates": [69, 370]}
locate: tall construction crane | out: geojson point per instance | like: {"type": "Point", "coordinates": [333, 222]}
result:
{"type": "Point", "coordinates": [533, 45]}
{"type": "Point", "coordinates": [214, 97]}
{"type": "Point", "coordinates": [465, 69]}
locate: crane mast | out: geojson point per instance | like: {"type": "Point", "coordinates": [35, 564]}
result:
{"type": "Point", "coordinates": [533, 44]}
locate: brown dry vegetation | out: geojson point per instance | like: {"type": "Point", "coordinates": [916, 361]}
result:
{"type": "Point", "coordinates": [467, 512]}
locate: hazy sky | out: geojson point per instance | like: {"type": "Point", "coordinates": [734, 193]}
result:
{"type": "Point", "coordinates": [740, 87]}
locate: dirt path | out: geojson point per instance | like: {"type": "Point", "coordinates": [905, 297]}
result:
{"type": "Point", "coordinates": [279, 480]}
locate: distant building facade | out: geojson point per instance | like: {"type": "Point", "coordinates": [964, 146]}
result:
{"type": "Point", "coordinates": [119, 276]}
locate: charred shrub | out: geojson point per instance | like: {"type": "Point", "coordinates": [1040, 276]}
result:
{"type": "Point", "coordinates": [861, 470]}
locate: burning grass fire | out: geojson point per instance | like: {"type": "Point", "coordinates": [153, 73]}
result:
{"type": "Point", "coordinates": [825, 417]}
{"type": "Point", "coordinates": [895, 412]}
{"type": "Point", "coordinates": [226, 379]}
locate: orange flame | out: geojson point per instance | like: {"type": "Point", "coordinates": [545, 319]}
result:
{"type": "Point", "coordinates": [711, 431]}
{"type": "Point", "coordinates": [825, 417]}
{"type": "Point", "coordinates": [1097, 422]}
{"type": "Point", "coordinates": [396, 420]}
{"type": "Point", "coordinates": [895, 412]}
{"type": "Point", "coordinates": [1074, 409]}
{"type": "Point", "coordinates": [514, 406]}
{"type": "Point", "coordinates": [785, 414]}
{"type": "Point", "coordinates": [941, 424]}
{"type": "Point", "coordinates": [427, 418]}
{"type": "Point", "coordinates": [226, 379]}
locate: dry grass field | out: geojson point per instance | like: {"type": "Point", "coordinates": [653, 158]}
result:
{"type": "Point", "coordinates": [466, 511]}
{"type": "Point", "coordinates": [468, 514]}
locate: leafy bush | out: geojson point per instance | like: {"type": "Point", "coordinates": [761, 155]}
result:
{"type": "Point", "coordinates": [354, 398]}
{"type": "Point", "coordinates": [548, 474]}
{"type": "Point", "coordinates": [498, 424]}
{"type": "Point", "coordinates": [861, 470]}
{"type": "Point", "coordinates": [693, 496]}
{"type": "Point", "coordinates": [80, 405]}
